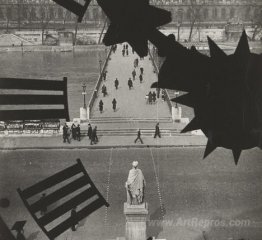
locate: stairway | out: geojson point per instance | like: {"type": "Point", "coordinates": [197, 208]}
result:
{"type": "Point", "coordinates": [126, 120]}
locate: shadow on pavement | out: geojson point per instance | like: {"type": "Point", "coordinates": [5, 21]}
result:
{"type": "Point", "coordinates": [155, 224]}
{"type": "Point", "coordinates": [33, 235]}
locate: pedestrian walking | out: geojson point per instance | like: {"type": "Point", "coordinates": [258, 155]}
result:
{"type": "Point", "coordinates": [130, 83]}
{"type": "Point", "coordinates": [142, 70]}
{"type": "Point", "coordinates": [73, 130]}
{"type": "Point", "coordinates": [139, 136]}
{"type": "Point", "coordinates": [116, 83]}
{"type": "Point", "coordinates": [43, 206]}
{"type": "Point", "coordinates": [78, 132]}
{"type": "Point", "coordinates": [154, 97]}
{"type": "Point", "coordinates": [104, 75]}
{"type": "Point", "coordinates": [123, 52]}
{"type": "Point", "coordinates": [163, 95]}
{"type": "Point", "coordinates": [157, 131]}
{"type": "Point", "coordinates": [150, 97]}
{"type": "Point", "coordinates": [141, 78]}
{"type": "Point", "coordinates": [137, 62]}
{"type": "Point", "coordinates": [127, 52]}
{"type": "Point", "coordinates": [101, 106]}
{"type": "Point", "coordinates": [74, 219]}
{"type": "Point", "coordinates": [104, 90]}
{"type": "Point", "coordinates": [114, 104]}
{"type": "Point", "coordinates": [89, 131]}
{"type": "Point", "coordinates": [65, 133]}
{"type": "Point", "coordinates": [134, 74]}
{"type": "Point", "coordinates": [94, 138]}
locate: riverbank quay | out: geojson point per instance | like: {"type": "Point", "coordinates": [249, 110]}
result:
{"type": "Point", "coordinates": [42, 48]}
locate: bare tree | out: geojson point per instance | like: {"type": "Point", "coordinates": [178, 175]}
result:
{"type": "Point", "coordinates": [257, 23]}
{"type": "Point", "coordinates": [67, 16]}
{"type": "Point", "coordinates": [45, 17]}
{"type": "Point", "coordinates": [194, 16]}
{"type": "Point", "coordinates": [8, 18]}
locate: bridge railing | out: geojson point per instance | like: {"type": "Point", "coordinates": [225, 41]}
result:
{"type": "Point", "coordinates": [99, 81]}
{"type": "Point", "coordinates": [168, 99]}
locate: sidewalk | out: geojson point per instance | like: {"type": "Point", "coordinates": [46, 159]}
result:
{"type": "Point", "coordinates": [56, 142]}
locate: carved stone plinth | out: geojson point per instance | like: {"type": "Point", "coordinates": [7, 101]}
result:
{"type": "Point", "coordinates": [136, 217]}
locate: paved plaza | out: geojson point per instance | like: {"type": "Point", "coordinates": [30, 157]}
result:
{"type": "Point", "coordinates": [180, 186]}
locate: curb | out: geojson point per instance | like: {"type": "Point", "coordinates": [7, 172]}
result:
{"type": "Point", "coordinates": [102, 147]}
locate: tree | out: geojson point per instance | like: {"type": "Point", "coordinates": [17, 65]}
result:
{"type": "Point", "coordinates": [67, 16]}
{"type": "Point", "coordinates": [257, 23]}
{"type": "Point", "coordinates": [45, 17]}
{"type": "Point", "coordinates": [8, 18]}
{"type": "Point", "coordinates": [194, 15]}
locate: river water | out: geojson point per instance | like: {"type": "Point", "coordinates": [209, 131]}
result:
{"type": "Point", "coordinates": [79, 67]}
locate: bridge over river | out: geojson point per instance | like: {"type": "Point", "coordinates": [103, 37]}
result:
{"type": "Point", "coordinates": [132, 109]}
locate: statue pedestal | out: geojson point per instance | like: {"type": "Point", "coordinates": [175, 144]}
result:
{"type": "Point", "coordinates": [176, 114]}
{"type": "Point", "coordinates": [136, 217]}
{"type": "Point", "coordinates": [84, 114]}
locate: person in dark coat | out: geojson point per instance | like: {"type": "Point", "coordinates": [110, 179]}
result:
{"type": "Point", "coordinates": [157, 131]}
{"type": "Point", "coordinates": [142, 70]}
{"type": "Point", "coordinates": [65, 133]}
{"type": "Point", "coordinates": [154, 97]}
{"type": "Point", "coordinates": [139, 136]}
{"type": "Point", "coordinates": [73, 129]}
{"type": "Point", "coordinates": [89, 131]}
{"type": "Point", "coordinates": [73, 216]}
{"type": "Point", "coordinates": [134, 74]}
{"type": "Point", "coordinates": [150, 97]}
{"type": "Point", "coordinates": [114, 104]}
{"type": "Point", "coordinates": [116, 83]}
{"type": "Point", "coordinates": [94, 138]}
{"type": "Point", "coordinates": [123, 52]}
{"type": "Point", "coordinates": [101, 105]}
{"type": "Point", "coordinates": [130, 83]}
{"type": "Point", "coordinates": [127, 52]}
{"type": "Point", "coordinates": [78, 132]}
{"type": "Point", "coordinates": [141, 78]}
{"type": "Point", "coordinates": [104, 90]}
{"type": "Point", "coordinates": [104, 75]}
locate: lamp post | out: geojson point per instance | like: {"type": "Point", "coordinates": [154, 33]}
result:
{"type": "Point", "coordinates": [176, 94]}
{"type": "Point", "coordinates": [100, 64]}
{"type": "Point", "coordinates": [84, 94]}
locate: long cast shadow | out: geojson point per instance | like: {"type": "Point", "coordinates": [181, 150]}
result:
{"type": "Point", "coordinates": [155, 224]}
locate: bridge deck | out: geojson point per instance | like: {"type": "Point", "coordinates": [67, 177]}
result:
{"type": "Point", "coordinates": [130, 103]}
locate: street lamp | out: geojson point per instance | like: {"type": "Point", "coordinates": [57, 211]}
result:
{"type": "Point", "coordinates": [84, 94]}
{"type": "Point", "coordinates": [100, 64]}
{"type": "Point", "coordinates": [176, 94]}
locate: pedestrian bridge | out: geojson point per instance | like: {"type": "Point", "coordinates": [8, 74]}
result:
{"type": "Point", "coordinates": [132, 105]}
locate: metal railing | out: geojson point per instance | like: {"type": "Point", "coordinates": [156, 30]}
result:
{"type": "Point", "coordinates": [99, 81]}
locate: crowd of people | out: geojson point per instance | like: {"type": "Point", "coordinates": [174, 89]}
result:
{"type": "Point", "coordinates": [74, 132]}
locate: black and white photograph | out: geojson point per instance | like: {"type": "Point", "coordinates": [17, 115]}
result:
{"type": "Point", "coordinates": [130, 119]}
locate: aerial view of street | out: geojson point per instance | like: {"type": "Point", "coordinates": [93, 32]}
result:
{"type": "Point", "coordinates": [152, 181]}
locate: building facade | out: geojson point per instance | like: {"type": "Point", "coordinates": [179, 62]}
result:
{"type": "Point", "coordinates": [29, 13]}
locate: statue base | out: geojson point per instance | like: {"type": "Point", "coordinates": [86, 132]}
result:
{"type": "Point", "coordinates": [136, 217]}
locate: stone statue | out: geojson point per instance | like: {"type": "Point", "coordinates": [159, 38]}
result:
{"type": "Point", "coordinates": [135, 185]}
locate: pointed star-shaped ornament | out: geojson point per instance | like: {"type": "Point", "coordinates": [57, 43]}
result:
{"type": "Point", "coordinates": [132, 21]}
{"type": "Point", "coordinates": [224, 90]}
